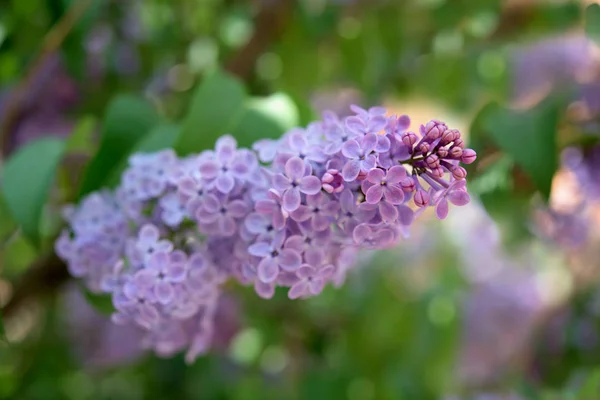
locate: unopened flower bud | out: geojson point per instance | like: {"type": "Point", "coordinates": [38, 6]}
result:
{"type": "Point", "coordinates": [459, 172]}
{"type": "Point", "coordinates": [468, 156]}
{"type": "Point", "coordinates": [408, 184]}
{"type": "Point", "coordinates": [432, 161]}
{"type": "Point", "coordinates": [442, 152]}
{"type": "Point", "coordinates": [456, 152]}
{"type": "Point", "coordinates": [434, 130]}
{"type": "Point", "coordinates": [459, 143]}
{"type": "Point", "coordinates": [332, 181]}
{"type": "Point", "coordinates": [409, 139]}
{"type": "Point", "coordinates": [421, 198]}
{"type": "Point", "coordinates": [449, 136]}
{"type": "Point", "coordinates": [437, 172]}
{"type": "Point", "coordinates": [424, 147]}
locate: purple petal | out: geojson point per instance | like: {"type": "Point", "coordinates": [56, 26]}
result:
{"type": "Point", "coordinates": [355, 124]}
{"type": "Point", "coordinates": [164, 292]}
{"type": "Point", "coordinates": [351, 170]}
{"type": "Point", "coordinates": [351, 149]}
{"type": "Point", "coordinates": [383, 144]}
{"type": "Point", "coordinates": [388, 212]}
{"type": "Point", "coordinates": [295, 242]}
{"type": "Point", "coordinates": [159, 260]}
{"type": "Point", "coordinates": [320, 222]}
{"type": "Point", "coordinates": [459, 197]}
{"type": "Point", "coordinates": [374, 194]}
{"type": "Point", "coordinates": [280, 182]}
{"type": "Point", "coordinates": [299, 289]}
{"type": "Point", "coordinates": [405, 215]}
{"type": "Point", "coordinates": [377, 123]}
{"type": "Point", "coordinates": [368, 163]}
{"type": "Point", "coordinates": [264, 290]}
{"type": "Point", "coordinates": [206, 217]}
{"type": "Point", "coordinates": [211, 203]}
{"type": "Point", "coordinates": [294, 168]}
{"type": "Point", "coordinates": [384, 238]}
{"type": "Point", "coordinates": [143, 279]}
{"type": "Point", "coordinates": [393, 194]}
{"type": "Point", "coordinates": [237, 208]}
{"type": "Point", "coordinates": [375, 176]}
{"type": "Point", "coordinates": [176, 272]}
{"type": "Point", "coordinates": [291, 199]}
{"type": "Point", "coordinates": [331, 209]}
{"type": "Point", "coordinates": [149, 233]}
{"type": "Point", "coordinates": [361, 233]}
{"type": "Point", "coordinates": [265, 206]}
{"type": "Point", "coordinates": [326, 272]}
{"type": "Point", "coordinates": [316, 286]}
{"type": "Point", "coordinates": [225, 183]}
{"type": "Point", "coordinates": [310, 185]}
{"type": "Point", "coordinates": [256, 223]}
{"type": "Point", "coordinates": [369, 142]}
{"type": "Point", "coordinates": [267, 270]}
{"type": "Point", "coordinates": [260, 249]}
{"type": "Point", "coordinates": [297, 141]}
{"type": "Point", "coordinates": [305, 271]}
{"type": "Point", "coordinates": [301, 214]}
{"type": "Point", "coordinates": [314, 256]}
{"type": "Point", "coordinates": [209, 169]}
{"type": "Point", "coordinates": [347, 200]}
{"type": "Point", "coordinates": [227, 226]}
{"type": "Point", "coordinates": [395, 174]}
{"type": "Point", "coordinates": [289, 259]}
{"type": "Point", "coordinates": [441, 208]}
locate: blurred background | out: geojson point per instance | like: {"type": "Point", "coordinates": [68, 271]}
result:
{"type": "Point", "coordinates": [499, 301]}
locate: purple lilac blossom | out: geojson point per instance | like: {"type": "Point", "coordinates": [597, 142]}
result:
{"type": "Point", "coordinates": [175, 230]}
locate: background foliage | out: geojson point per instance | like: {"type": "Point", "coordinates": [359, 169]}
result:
{"type": "Point", "coordinates": [505, 306]}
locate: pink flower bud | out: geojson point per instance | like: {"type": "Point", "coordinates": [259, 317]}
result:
{"type": "Point", "coordinates": [468, 156]}
{"type": "Point", "coordinates": [456, 152]}
{"type": "Point", "coordinates": [409, 139]}
{"type": "Point", "coordinates": [442, 152]}
{"type": "Point", "coordinates": [424, 147]}
{"type": "Point", "coordinates": [434, 129]}
{"type": "Point", "coordinates": [437, 172]}
{"type": "Point", "coordinates": [432, 161]}
{"type": "Point", "coordinates": [459, 173]}
{"type": "Point", "coordinates": [408, 184]}
{"type": "Point", "coordinates": [449, 136]}
{"type": "Point", "coordinates": [421, 198]}
{"type": "Point", "coordinates": [459, 143]}
{"type": "Point", "coordinates": [332, 181]}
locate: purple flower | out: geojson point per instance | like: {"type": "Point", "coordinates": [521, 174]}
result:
{"type": "Point", "coordinates": [297, 180]}
{"type": "Point", "coordinates": [227, 165]}
{"type": "Point", "coordinates": [456, 194]}
{"type": "Point", "coordinates": [311, 281]}
{"type": "Point", "coordinates": [221, 214]}
{"type": "Point", "coordinates": [313, 245]}
{"type": "Point", "coordinates": [274, 256]}
{"type": "Point", "coordinates": [386, 185]}
{"type": "Point", "coordinates": [371, 237]}
{"type": "Point", "coordinates": [320, 210]}
{"type": "Point", "coordinates": [161, 272]}
{"type": "Point", "coordinates": [360, 157]}
{"type": "Point", "coordinates": [351, 213]}
{"type": "Point", "coordinates": [271, 206]}
{"type": "Point", "coordinates": [335, 137]}
{"type": "Point", "coordinates": [301, 148]}
{"type": "Point", "coordinates": [148, 241]}
{"type": "Point", "coordinates": [260, 224]}
{"type": "Point", "coordinates": [173, 210]}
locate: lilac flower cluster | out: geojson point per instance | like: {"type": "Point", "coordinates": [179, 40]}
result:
{"type": "Point", "coordinates": [290, 213]}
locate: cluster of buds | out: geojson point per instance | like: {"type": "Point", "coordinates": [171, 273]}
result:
{"type": "Point", "coordinates": [289, 213]}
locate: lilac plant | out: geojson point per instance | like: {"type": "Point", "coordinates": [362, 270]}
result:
{"type": "Point", "coordinates": [290, 213]}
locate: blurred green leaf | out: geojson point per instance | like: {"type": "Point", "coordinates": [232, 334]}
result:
{"type": "Point", "coordinates": [528, 137]}
{"type": "Point", "coordinates": [161, 137]}
{"type": "Point", "coordinates": [216, 107]}
{"type": "Point", "coordinates": [101, 302]}
{"type": "Point", "coordinates": [128, 119]}
{"type": "Point", "coordinates": [220, 106]}
{"type": "Point", "coordinates": [26, 183]}
{"type": "Point", "coordinates": [82, 140]}
{"type": "Point", "coordinates": [590, 388]}
{"type": "Point", "coordinates": [592, 22]}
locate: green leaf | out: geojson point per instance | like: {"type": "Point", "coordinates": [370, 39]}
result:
{"type": "Point", "coordinates": [81, 140]}
{"type": "Point", "coordinates": [592, 22]}
{"type": "Point", "coordinates": [2, 330]}
{"type": "Point", "coordinates": [590, 387]}
{"type": "Point", "coordinates": [26, 183]}
{"type": "Point", "coordinates": [528, 137]}
{"type": "Point", "coordinates": [220, 106]}
{"type": "Point", "coordinates": [159, 138]}
{"type": "Point", "coordinates": [216, 107]}
{"type": "Point", "coordinates": [101, 302]}
{"type": "Point", "coordinates": [128, 119]}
